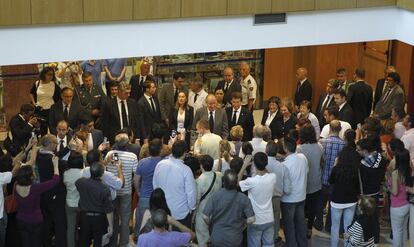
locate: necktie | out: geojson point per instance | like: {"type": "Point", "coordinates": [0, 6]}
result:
{"type": "Point", "coordinates": [124, 115]}
{"type": "Point", "coordinates": [141, 82]}
{"type": "Point", "coordinates": [195, 97]}
{"type": "Point", "coordinates": [297, 88]}
{"type": "Point", "coordinates": [226, 87]}
{"type": "Point", "coordinates": [211, 122]}
{"type": "Point", "coordinates": [328, 98]}
{"type": "Point", "coordinates": [66, 113]}
{"type": "Point", "coordinates": [152, 104]}
{"type": "Point", "coordinates": [386, 95]}
{"type": "Point", "coordinates": [175, 95]}
{"type": "Point", "coordinates": [61, 147]}
{"type": "Point", "coordinates": [234, 118]}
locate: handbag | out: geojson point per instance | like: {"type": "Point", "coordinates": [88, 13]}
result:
{"type": "Point", "coordinates": [10, 203]}
{"type": "Point", "coordinates": [10, 146]}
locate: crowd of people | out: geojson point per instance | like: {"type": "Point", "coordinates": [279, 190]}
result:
{"type": "Point", "coordinates": [195, 167]}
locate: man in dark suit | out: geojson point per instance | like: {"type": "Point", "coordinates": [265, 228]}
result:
{"type": "Point", "coordinates": [345, 111]}
{"type": "Point", "coordinates": [22, 126]}
{"type": "Point", "coordinates": [149, 109]}
{"type": "Point", "coordinates": [67, 110]}
{"type": "Point", "coordinates": [119, 113]}
{"type": "Point", "coordinates": [216, 117]}
{"type": "Point", "coordinates": [393, 97]}
{"type": "Point", "coordinates": [229, 85]}
{"type": "Point", "coordinates": [63, 138]}
{"type": "Point", "coordinates": [304, 87]}
{"type": "Point", "coordinates": [381, 86]}
{"type": "Point", "coordinates": [137, 82]}
{"type": "Point", "coordinates": [360, 97]}
{"type": "Point", "coordinates": [326, 100]}
{"type": "Point", "coordinates": [341, 78]}
{"type": "Point", "coordinates": [169, 93]}
{"type": "Point", "coordinates": [95, 137]}
{"type": "Point", "coordinates": [237, 115]}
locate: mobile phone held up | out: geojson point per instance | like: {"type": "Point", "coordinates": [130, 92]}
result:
{"type": "Point", "coordinates": [173, 134]}
{"type": "Point", "coordinates": [115, 157]}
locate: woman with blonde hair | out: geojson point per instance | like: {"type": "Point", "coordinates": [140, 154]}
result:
{"type": "Point", "coordinates": [182, 117]}
{"type": "Point", "coordinates": [223, 163]}
{"type": "Point", "coordinates": [236, 134]}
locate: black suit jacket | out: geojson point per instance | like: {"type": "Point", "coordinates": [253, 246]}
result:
{"type": "Point", "coordinates": [360, 99]}
{"type": "Point", "coordinates": [378, 91]}
{"type": "Point", "coordinates": [303, 93]}
{"type": "Point", "coordinates": [138, 90]}
{"type": "Point", "coordinates": [347, 114]}
{"type": "Point", "coordinates": [21, 131]}
{"type": "Point", "coordinates": [319, 112]}
{"type": "Point", "coordinates": [234, 87]}
{"type": "Point", "coordinates": [147, 117]}
{"type": "Point", "coordinates": [56, 115]}
{"type": "Point", "coordinates": [274, 126]}
{"type": "Point", "coordinates": [111, 120]}
{"type": "Point", "coordinates": [245, 120]}
{"type": "Point", "coordinates": [188, 122]}
{"type": "Point", "coordinates": [97, 138]}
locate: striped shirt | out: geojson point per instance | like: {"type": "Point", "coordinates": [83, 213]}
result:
{"type": "Point", "coordinates": [129, 165]}
{"type": "Point", "coordinates": [332, 145]}
{"type": "Point", "coordinates": [356, 236]}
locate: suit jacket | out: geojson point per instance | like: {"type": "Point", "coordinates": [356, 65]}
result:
{"type": "Point", "coordinates": [347, 114]}
{"type": "Point", "coordinates": [56, 115]}
{"type": "Point", "coordinates": [396, 99]}
{"type": "Point", "coordinates": [21, 131]}
{"type": "Point", "coordinates": [303, 93]}
{"type": "Point", "coordinates": [111, 119]}
{"type": "Point", "coordinates": [166, 98]}
{"type": "Point", "coordinates": [360, 100]}
{"type": "Point", "coordinates": [245, 120]}
{"type": "Point", "coordinates": [234, 87]}
{"type": "Point", "coordinates": [378, 91]}
{"type": "Point", "coordinates": [188, 122]}
{"type": "Point", "coordinates": [137, 90]}
{"type": "Point", "coordinates": [97, 138]}
{"type": "Point", "coordinates": [61, 153]}
{"type": "Point", "coordinates": [319, 112]}
{"type": "Point", "coordinates": [221, 127]}
{"type": "Point", "coordinates": [274, 126]}
{"type": "Point", "coordinates": [147, 117]}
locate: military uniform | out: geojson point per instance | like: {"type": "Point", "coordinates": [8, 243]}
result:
{"type": "Point", "coordinates": [249, 89]}
{"type": "Point", "coordinates": [89, 99]}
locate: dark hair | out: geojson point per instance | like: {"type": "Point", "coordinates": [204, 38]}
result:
{"type": "Point", "coordinates": [86, 119]}
{"type": "Point", "coordinates": [206, 162]}
{"type": "Point", "coordinates": [158, 131]}
{"type": "Point", "coordinates": [372, 126]}
{"type": "Point", "coordinates": [341, 71]}
{"type": "Point", "coordinates": [159, 218]}
{"type": "Point", "coordinates": [341, 92]}
{"type": "Point", "coordinates": [247, 148]}
{"type": "Point", "coordinates": [97, 170]}
{"type": "Point", "coordinates": [347, 165]}
{"type": "Point", "coordinates": [274, 99]}
{"type": "Point", "coordinates": [125, 130]}
{"type": "Point", "coordinates": [396, 145]}
{"type": "Point", "coordinates": [194, 165]}
{"type": "Point", "coordinates": [349, 137]}
{"type": "Point", "coordinates": [307, 134]}
{"type": "Point", "coordinates": [45, 70]}
{"type": "Point", "coordinates": [236, 95]}
{"type": "Point", "coordinates": [367, 205]}
{"type": "Point", "coordinates": [27, 108]}
{"type": "Point", "coordinates": [272, 148]}
{"type": "Point", "coordinates": [306, 103]}
{"type": "Point", "coordinates": [147, 84]}
{"type": "Point", "coordinates": [179, 148]}
{"type": "Point", "coordinates": [294, 134]}
{"type": "Point", "coordinates": [333, 110]}
{"type": "Point", "coordinates": [411, 119]}
{"type": "Point", "coordinates": [177, 75]}
{"type": "Point", "coordinates": [154, 147]}
{"type": "Point", "coordinates": [25, 176]}
{"type": "Point", "coordinates": [360, 72]}
{"type": "Point", "coordinates": [93, 155]}
{"type": "Point", "coordinates": [289, 144]}
{"type": "Point", "coordinates": [302, 121]}
{"type": "Point", "coordinates": [66, 89]}
{"type": "Point", "coordinates": [260, 161]}
{"type": "Point", "coordinates": [158, 201]}
{"type": "Point", "coordinates": [370, 143]}
{"type": "Point", "coordinates": [230, 180]}
{"type": "Point", "coordinates": [402, 164]}
{"type": "Point", "coordinates": [399, 111]}
{"type": "Point", "coordinates": [75, 160]}
{"type": "Point", "coordinates": [395, 76]}
{"type": "Point", "coordinates": [236, 164]}
{"type": "Point", "coordinates": [86, 74]}
{"type": "Point", "coordinates": [113, 84]}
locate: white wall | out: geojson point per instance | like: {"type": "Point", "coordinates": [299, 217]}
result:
{"type": "Point", "coordinates": [78, 42]}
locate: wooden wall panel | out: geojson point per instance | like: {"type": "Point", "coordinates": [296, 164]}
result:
{"type": "Point", "coordinates": [374, 62]}
{"type": "Point", "coordinates": [156, 9]}
{"type": "Point", "coordinates": [107, 10]}
{"type": "Point", "coordinates": [237, 7]}
{"type": "Point", "coordinates": [375, 3]}
{"type": "Point", "coordinates": [196, 8]}
{"type": "Point", "coordinates": [14, 12]}
{"type": "Point", "coordinates": [349, 57]}
{"type": "Point", "coordinates": [292, 5]}
{"type": "Point", "coordinates": [337, 4]}
{"type": "Point", "coordinates": [402, 54]}
{"type": "Point", "coordinates": [56, 11]}
{"type": "Point", "coordinates": [407, 4]}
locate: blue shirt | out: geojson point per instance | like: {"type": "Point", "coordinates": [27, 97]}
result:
{"type": "Point", "coordinates": [145, 169]}
{"type": "Point", "coordinates": [164, 239]}
{"type": "Point", "coordinates": [94, 69]}
{"type": "Point", "coordinates": [332, 145]}
{"type": "Point", "coordinates": [115, 66]}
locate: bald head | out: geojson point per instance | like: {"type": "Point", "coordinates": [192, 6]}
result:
{"type": "Point", "coordinates": [228, 74]}
{"type": "Point", "coordinates": [211, 102]}
{"type": "Point", "coordinates": [145, 68]}
{"type": "Point", "coordinates": [335, 127]}
{"type": "Point", "coordinates": [301, 73]}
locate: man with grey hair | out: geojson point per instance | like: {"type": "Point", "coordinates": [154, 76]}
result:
{"type": "Point", "coordinates": [197, 95]}
{"type": "Point", "coordinates": [229, 85]}
{"type": "Point", "coordinates": [122, 203]}
{"type": "Point", "coordinates": [248, 86]}
{"type": "Point", "coordinates": [258, 144]}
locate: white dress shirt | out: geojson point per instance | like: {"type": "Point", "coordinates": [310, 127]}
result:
{"type": "Point", "coordinates": [65, 142]}
{"type": "Point", "coordinates": [270, 117]}
{"type": "Point", "coordinates": [149, 101]}
{"type": "Point", "coordinates": [408, 140]}
{"type": "Point", "coordinates": [200, 102]}
{"type": "Point", "coordinates": [177, 181]}
{"type": "Point", "coordinates": [120, 110]}
{"type": "Point", "coordinates": [237, 114]}
{"type": "Point", "coordinates": [344, 127]}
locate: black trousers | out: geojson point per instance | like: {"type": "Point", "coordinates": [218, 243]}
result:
{"type": "Point", "coordinates": [313, 208]}
{"type": "Point", "coordinates": [92, 228]}
{"type": "Point", "coordinates": [30, 233]}
{"type": "Point", "coordinates": [54, 223]}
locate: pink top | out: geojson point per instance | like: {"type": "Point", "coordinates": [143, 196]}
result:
{"type": "Point", "coordinates": [401, 198]}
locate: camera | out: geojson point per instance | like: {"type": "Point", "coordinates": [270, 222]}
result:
{"type": "Point", "coordinates": [115, 157]}
{"type": "Point", "coordinates": [40, 119]}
